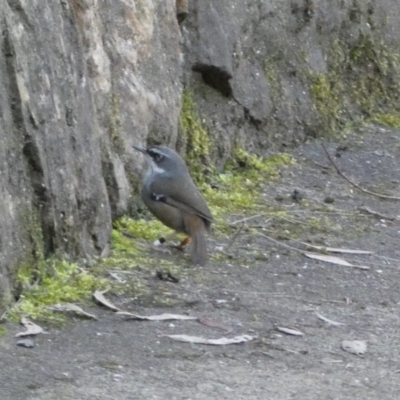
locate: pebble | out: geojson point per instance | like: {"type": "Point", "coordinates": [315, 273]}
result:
{"type": "Point", "coordinates": [28, 343]}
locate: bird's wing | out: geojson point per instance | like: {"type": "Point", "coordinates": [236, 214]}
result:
{"type": "Point", "coordinates": [181, 194]}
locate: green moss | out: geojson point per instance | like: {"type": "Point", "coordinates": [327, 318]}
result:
{"type": "Point", "coordinates": [115, 123]}
{"type": "Point", "coordinates": [142, 229]}
{"type": "Point", "coordinates": [196, 138]}
{"type": "Point", "coordinates": [34, 237]}
{"type": "Point", "coordinates": [54, 282]}
{"type": "Point", "coordinates": [362, 84]}
{"type": "Point", "coordinates": [122, 243]}
{"type": "Point", "coordinates": [254, 165]}
{"type": "Point", "coordinates": [130, 243]}
{"type": "Point", "coordinates": [272, 73]}
{"type": "Point", "coordinates": [237, 190]}
{"type": "Point", "coordinates": [327, 99]}
{"type": "Point", "coordinates": [319, 225]}
{"type": "Point", "coordinates": [376, 73]}
{"type": "Point", "coordinates": [131, 250]}
{"type": "Point", "coordinates": [392, 120]}
{"type": "Point", "coordinates": [3, 331]}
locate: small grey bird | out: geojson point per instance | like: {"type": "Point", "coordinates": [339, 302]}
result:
{"type": "Point", "coordinates": [172, 197]}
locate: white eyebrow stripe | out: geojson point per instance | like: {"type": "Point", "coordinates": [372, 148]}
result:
{"type": "Point", "coordinates": [156, 152]}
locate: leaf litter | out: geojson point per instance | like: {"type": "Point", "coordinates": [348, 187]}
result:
{"type": "Point", "coordinates": [335, 249]}
{"type": "Point", "coordinates": [69, 307]}
{"type": "Point", "coordinates": [31, 328]}
{"type": "Point", "coordinates": [290, 331]}
{"type": "Point", "coordinates": [334, 260]}
{"type": "Point", "coordinates": [329, 321]}
{"type": "Point", "coordinates": [161, 317]}
{"type": "Point", "coordinates": [100, 298]}
{"type": "Point", "coordinates": [357, 347]}
{"type": "Point", "coordinates": [214, 342]}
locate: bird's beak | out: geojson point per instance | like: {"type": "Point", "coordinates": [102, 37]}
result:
{"type": "Point", "coordinates": [141, 149]}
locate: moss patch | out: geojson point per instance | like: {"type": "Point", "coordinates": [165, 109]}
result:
{"type": "Point", "coordinates": [115, 123]}
{"type": "Point", "coordinates": [140, 229]}
{"type": "Point", "coordinates": [238, 189]}
{"type": "Point", "coordinates": [54, 282]}
{"type": "Point", "coordinates": [362, 84]}
{"type": "Point", "coordinates": [196, 138]}
{"type": "Point", "coordinates": [392, 120]}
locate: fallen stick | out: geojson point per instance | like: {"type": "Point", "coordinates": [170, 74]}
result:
{"type": "Point", "coordinates": [383, 196]}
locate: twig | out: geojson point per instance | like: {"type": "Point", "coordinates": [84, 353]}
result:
{"type": "Point", "coordinates": [306, 253]}
{"type": "Point", "coordinates": [234, 237]}
{"type": "Point", "coordinates": [291, 221]}
{"type": "Point", "coordinates": [281, 244]}
{"type": "Point", "coordinates": [330, 212]}
{"type": "Point", "coordinates": [378, 215]}
{"type": "Point", "coordinates": [246, 219]}
{"type": "Point", "coordinates": [383, 196]}
{"type": "Point", "coordinates": [321, 165]}
{"type": "Point", "coordinates": [231, 256]}
{"type": "Point", "coordinates": [329, 321]}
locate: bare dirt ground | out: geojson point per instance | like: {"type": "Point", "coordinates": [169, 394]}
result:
{"type": "Point", "coordinates": [262, 287]}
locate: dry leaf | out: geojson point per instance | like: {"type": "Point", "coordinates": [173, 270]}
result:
{"type": "Point", "coordinates": [161, 317]}
{"type": "Point", "coordinates": [215, 342]}
{"type": "Point", "coordinates": [99, 297]}
{"type": "Point", "coordinates": [289, 331]}
{"type": "Point", "coordinates": [358, 347]}
{"type": "Point", "coordinates": [329, 259]}
{"type": "Point", "coordinates": [363, 267]}
{"type": "Point", "coordinates": [329, 321]}
{"type": "Point", "coordinates": [337, 249]}
{"type": "Point", "coordinates": [334, 260]}
{"type": "Point", "coordinates": [69, 307]}
{"type": "Point", "coordinates": [31, 328]}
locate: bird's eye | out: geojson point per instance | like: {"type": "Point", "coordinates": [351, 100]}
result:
{"type": "Point", "coordinates": [155, 155]}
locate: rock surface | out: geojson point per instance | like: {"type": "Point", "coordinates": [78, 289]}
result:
{"type": "Point", "coordinates": [84, 80]}
{"type": "Point", "coordinates": [251, 63]}
{"type": "Point", "coordinates": [81, 82]}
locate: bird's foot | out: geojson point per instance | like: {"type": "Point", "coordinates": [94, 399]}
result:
{"type": "Point", "coordinates": [182, 245]}
{"type": "Point", "coordinates": [159, 245]}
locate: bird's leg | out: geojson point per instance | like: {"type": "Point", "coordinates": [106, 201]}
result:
{"type": "Point", "coordinates": [182, 245]}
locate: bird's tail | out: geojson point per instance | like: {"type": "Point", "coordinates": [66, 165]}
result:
{"type": "Point", "coordinates": [197, 231]}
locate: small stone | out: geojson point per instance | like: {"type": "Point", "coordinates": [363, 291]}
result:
{"type": "Point", "coordinates": [117, 377]}
{"type": "Point", "coordinates": [28, 343]}
{"type": "Point", "coordinates": [329, 200]}
{"type": "Point", "coordinates": [297, 196]}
